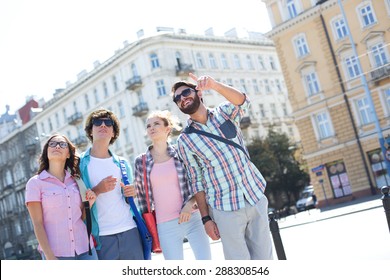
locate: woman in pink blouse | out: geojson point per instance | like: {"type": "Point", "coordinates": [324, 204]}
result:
{"type": "Point", "coordinates": [54, 203]}
{"type": "Point", "coordinates": [169, 193]}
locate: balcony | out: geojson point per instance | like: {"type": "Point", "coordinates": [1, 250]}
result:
{"type": "Point", "coordinates": [141, 109]}
{"type": "Point", "coordinates": [75, 119]}
{"type": "Point", "coordinates": [184, 70]}
{"type": "Point", "coordinates": [380, 73]}
{"type": "Point", "coordinates": [81, 141]}
{"type": "Point", "coordinates": [245, 122]}
{"type": "Point", "coordinates": [31, 148]}
{"type": "Point", "coordinates": [134, 83]}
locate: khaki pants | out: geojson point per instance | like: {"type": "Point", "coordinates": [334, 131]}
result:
{"type": "Point", "coordinates": [245, 233]}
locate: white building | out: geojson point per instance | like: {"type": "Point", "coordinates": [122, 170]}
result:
{"type": "Point", "coordinates": [137, 79]}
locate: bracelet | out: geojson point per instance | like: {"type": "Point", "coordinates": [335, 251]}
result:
{"type": "Point", "coordinates": [205, 219]}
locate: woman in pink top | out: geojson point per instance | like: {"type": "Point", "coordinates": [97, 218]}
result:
{"type": "Point", "coordinates": [54, 203]}
{"type": "Point", "coordinates": [169, 193]}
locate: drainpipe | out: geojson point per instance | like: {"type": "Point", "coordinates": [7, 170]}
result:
{"type": "Point", "coordinates": [341, 82]}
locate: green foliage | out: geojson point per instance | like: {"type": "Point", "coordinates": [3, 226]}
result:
{"type": "Point", "coordinates": [274, 157]}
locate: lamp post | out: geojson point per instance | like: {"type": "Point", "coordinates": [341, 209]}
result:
{"type": "Point", "coordinates": [368, 96]}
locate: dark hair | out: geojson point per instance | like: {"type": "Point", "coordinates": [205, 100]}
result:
{"type": "Point", "coordinates": [180, 84]}
{"type": "Point", "coordinates": [72, 163]}
{"type": "Point", "coordinates": [102, 113]}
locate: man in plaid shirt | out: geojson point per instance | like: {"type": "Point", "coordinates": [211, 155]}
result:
{"type": "Point", "coordinates": [228, 188]}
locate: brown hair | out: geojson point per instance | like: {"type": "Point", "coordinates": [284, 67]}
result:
{"type": "Point", "coordinates": [102, 113]}
{"type": "Point", "coordinates": [72, 163]}
{"type": "Point", "coordinates": [180, 84]}
{"type": "Point", "coordinates": [168, 119]}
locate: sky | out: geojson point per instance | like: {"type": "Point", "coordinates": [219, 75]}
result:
{"type": "Point", "coordinates": [45, 43]}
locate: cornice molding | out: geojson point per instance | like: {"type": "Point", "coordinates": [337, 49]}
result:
{"type": "Point", "coordinates": [307, 14]}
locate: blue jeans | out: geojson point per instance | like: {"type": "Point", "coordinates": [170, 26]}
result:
{"type": "Point", "coordinates": [171, 235]}
{"type": "Point", "coordinates": [83, 256]}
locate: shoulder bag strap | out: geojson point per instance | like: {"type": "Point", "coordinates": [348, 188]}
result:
{"type": "Point", "coordinates": [146, 181]}
{"type": "Point", "coordinates": [130, 200]}
{"type": "Point", "coordinates": [190, 129]}
{"type": "Point", "coordinates": [83, 190]}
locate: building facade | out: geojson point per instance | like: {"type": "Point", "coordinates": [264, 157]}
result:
{"type": "Point", "coordinates": [323, 57]}
{"type": "Point", "coordinates": [137, 80]}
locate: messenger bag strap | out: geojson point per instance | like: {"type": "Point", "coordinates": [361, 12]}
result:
{"type": "Point", "coordinates": [190, 129]}
{"type": "Point", "coordinates": [145, 181]}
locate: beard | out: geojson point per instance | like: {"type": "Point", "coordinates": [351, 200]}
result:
{"type": "Point", "coordinates": [192, 108]}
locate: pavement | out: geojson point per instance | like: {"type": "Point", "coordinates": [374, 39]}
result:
{"type": "Point", "coordinates": [332, 211]}
{"type": "Point", "coordinates": [301, 218]}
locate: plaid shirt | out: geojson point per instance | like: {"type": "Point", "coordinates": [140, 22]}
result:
{"type": "Point", "coordinates": [224, 172]}
{"type": "Point", "coordinates": [185, 190]}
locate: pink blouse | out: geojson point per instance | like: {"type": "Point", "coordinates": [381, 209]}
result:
{"type": "Point", "coordinates": [66, 231]}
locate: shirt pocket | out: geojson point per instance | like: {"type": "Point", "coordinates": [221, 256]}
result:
{"type": "Point", "coordinates": [52, 198]}
{"type": "Point", "coordinates": [76, 193]}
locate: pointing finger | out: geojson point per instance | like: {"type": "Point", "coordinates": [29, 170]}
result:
{"type": "Point", "coordinates": [192, 76]}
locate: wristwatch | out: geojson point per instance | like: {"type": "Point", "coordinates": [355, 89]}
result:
{"type": "Point", "coordinates": [205, 219]}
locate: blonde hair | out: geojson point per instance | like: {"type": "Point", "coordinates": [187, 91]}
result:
{"type": "Point", "coordinates": [169, 120]}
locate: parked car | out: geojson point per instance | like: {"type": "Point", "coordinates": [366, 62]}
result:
{"type": "Point", "coordinates": [307, 199]}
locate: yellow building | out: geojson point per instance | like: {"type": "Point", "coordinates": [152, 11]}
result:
{"type": "Point", "coordinates": [330, 99]}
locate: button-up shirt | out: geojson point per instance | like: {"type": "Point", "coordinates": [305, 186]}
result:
{"type": "Point", "coordinates": [222, 171]}
{"type": "Point", "coordinates": [61, 207]}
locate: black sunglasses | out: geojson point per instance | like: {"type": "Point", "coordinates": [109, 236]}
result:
{"type": "Point", "coordinates": [53, 144]}
{"type": "Point", "coordinates": [98, 122]}
{"type": "Point", "coordinates": [186, 92]}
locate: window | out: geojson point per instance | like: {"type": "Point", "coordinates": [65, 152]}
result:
{"type": "Point", "coordinates": [224, 61]}
{"type": "Point", "coordinates": [154, 61]}
{"type": "Point", "coordinates": [75, 106]}
{"type": "Point", "coordinates": [267, 88]}
{"type": "Point", "coordinates": [105, 89]}
{"type": "Point", "coordinates": [278, 85]}
{"type": "Point", "coordinates": [57, 118]}
{"type": "Point", "coordinates": [291, 8]}
{"type": "Point", "coordinates": [379, 55]}
{"type": "Point", "coordinates": [114, 83]}
{"type": "Point", "coordinates": [339, 28]}
{"type": "Point", "coordinates": [50, 125]}
{"type": "Point", "coordinates": [367, 15]}
{"type": "Point", "coordinates": [237, 62]}
{"type": "Point", "coordinates": [199, 60]}
{"type": "Point", "coordinates": [161, 88]}
{"type": "Point", "coordinates": [311, 83]}
{"type": "Point", "coordinates": [300, 45]}
{"type": "Point", "coordinates": [284, 108]}
{"type": "Point", "coordinates": [352, 67]}
{"type": "Point", "coordinates": [272, 63]}
{"type": "Point", "coordinates": [323, 125]}
{"type": "Point", "coordinates": [122, 113]}
{"type": "Point", "coordinates": [255, 86]}
{"type": "Point", "coordinates": [96, 95]}
{"type": "Point", "coordinates": [261, 63]}
{"type": "Point", "coordinates": [249, 62]}
{"type": "Point", "coordinates": [86, 101]}
{"type": "Point", "coordinates": [64, 115]}
{"type": "Point", "coordinates": [262, 111]}
{"type": "Point", "coordinates": [387, 99]}
{"type": "Point", "coordinates": [364, 111]}
{"type": "Point", "coordinates": [134, 70]}
{"type": "Point", "coordinates": [273, 110]}
{"type": "Point", "coordinates": [127, 135]}
{"type": "Point", "coordinates": [213, 62]}
{"type": "Point", "coordinates": [243, 86]}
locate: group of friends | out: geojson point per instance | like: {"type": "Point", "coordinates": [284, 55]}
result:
{"type": "Point", "coordinates": [200, 188]}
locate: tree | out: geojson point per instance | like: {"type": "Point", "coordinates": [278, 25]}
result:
{"type": "Point", "coordinates": [274, 156]}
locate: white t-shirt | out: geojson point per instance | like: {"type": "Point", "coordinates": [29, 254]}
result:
{"type": "Point", "coordinates": [114, 214]}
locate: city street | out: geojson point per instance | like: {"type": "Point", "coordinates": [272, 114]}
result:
{"type": "Point", "coordinates": [353, 232]}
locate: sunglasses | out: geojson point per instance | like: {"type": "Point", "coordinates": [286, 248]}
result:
{"type": "Point", "coordinates": [53, 144]}
{"type": "Point", "coordinates": [98, 122]}
{"type": "Point", "coordinates": [184, 93]}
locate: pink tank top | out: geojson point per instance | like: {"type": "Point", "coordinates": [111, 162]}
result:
{"type": "Point", "coordinates": [166, 191]}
